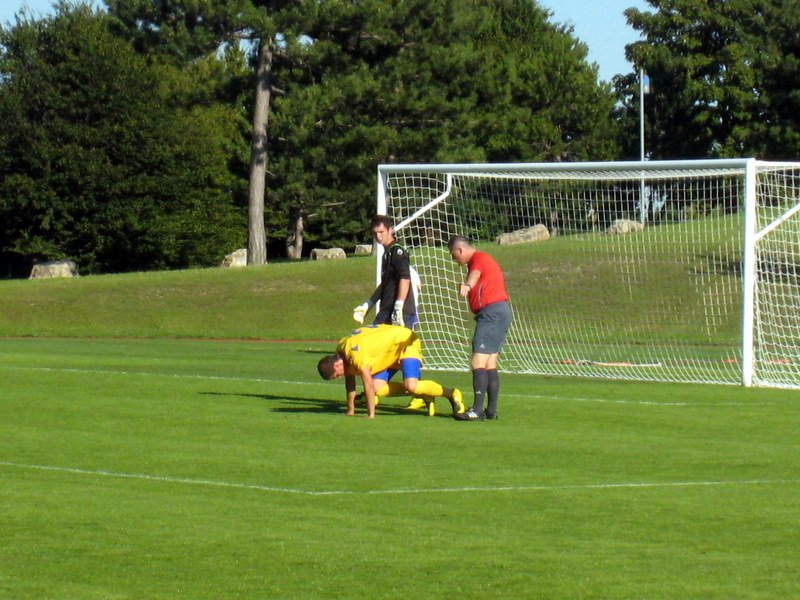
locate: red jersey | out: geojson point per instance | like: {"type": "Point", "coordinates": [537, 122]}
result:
{"type": "Point", "coordinates": [491, 286]}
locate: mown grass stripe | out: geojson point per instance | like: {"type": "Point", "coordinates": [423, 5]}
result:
{"type": "Point", "coordinates": [324, 383]}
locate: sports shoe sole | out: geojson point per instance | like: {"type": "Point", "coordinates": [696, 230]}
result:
{"type": "Point", "coordinates": [469, 416]}
{"type": "Point", "coordinates": [457, 402]}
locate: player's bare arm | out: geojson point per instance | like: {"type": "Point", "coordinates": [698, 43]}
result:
{"type": "Point", "coordinates": [471, 282]}
{"type": "Point", "coordinates": [350, 388]}
{"type": "Point", "coordinates": [369, 390]}
{"type": "Point", "coordinates": [403, 288]}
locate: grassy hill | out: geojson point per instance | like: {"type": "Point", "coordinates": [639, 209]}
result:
{"type": "Point", "coordinates": [653, 283]}
{"type": "Point", "coordinates": [305, 300]}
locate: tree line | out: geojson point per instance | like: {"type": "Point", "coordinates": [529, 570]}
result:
{"type": "Point", "coordinates": [725, 74]}
{"type": "Point", "coordinates": [157, 134]}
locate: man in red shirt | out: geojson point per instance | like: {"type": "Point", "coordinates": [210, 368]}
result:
{"type": "Point", "coordinates": [485, 289]}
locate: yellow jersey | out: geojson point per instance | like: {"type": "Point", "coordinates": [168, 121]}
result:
{"type": "Point", "coordinates": [379, 346]}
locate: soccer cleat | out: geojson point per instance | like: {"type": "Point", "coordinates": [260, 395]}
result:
{"type": "Point", "coordinates": [457, 402]}
{"type": "Point", "coordinates": [490, 416]}
{"type": "Point", "coordinates": [417, 403]}
{"type": "Point", "coordinates": [470, 415]}
{"type": "Point", "coordinates": [431, 406]}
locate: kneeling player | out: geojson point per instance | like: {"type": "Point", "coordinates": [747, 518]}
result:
{"type": "Point", "coordinates": [375, 353]}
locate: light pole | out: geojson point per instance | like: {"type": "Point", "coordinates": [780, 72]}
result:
{"type": "Point", "coordinates": [641, 114]}
{"type": "Point", "coordinates": [642, 196]}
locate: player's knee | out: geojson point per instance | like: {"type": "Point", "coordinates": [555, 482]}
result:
{"type": "Point", "coordinates": [410, 385]}
{"type": "Point", "coordinates": [483, 361]}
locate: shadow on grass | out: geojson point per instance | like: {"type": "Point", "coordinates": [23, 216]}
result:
{"type": "Point", "coordinates": [320, 405]}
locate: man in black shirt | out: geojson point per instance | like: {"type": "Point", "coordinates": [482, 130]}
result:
{"type": "Point", "coordinates": [394, 292]}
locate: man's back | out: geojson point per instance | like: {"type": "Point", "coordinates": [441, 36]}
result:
{"type": "Point", "coordinates": [378, 346]}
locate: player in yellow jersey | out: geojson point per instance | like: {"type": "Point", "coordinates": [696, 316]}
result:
{"type": "Point", "coordinates": [375, 353]}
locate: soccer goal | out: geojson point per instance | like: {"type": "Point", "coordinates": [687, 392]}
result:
{"type": "Point", "coordinates": [684, 271]}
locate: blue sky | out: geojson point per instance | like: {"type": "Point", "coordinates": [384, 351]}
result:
{"type": "Point", "coordinates": [599, 24]}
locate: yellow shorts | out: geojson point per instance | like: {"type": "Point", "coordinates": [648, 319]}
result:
{"type": "Point", "coordinates": [413, 350]}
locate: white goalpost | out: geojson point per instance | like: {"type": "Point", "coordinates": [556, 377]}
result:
{"type": "Point", "coordinates": [682, 271]}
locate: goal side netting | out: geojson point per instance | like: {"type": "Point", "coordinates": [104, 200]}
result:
{"type": "Point", "coordinates": [684, 271]}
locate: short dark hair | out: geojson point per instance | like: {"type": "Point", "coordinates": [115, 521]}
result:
{"type": "Point", "coordinates": [325, 366]}
{"type": "Point", "coordinates": [457, 241]}
{"type": "Point", "coordinates": [381, 220]}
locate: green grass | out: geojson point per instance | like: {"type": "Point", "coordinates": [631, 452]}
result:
{"type": "Point", "coordinates": [222, 469]}
{"type": "Point", "coordinates": [645, 282]}
{"type": "Point", "coordinates": [661, 299]}
{"type": "Point", "coordinates": [666, 302]}
{"type": "Point", "coordinates": [152, 447]}
{"type": "Point", "coordinates": [305, 300]}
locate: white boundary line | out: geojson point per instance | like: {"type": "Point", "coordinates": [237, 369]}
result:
{"type": "Point", "coordinates": [637, 402]}
{"type": "Point", "coordinates": [325, 383]}
{"type": "Point", "coordinates": [399, 491]}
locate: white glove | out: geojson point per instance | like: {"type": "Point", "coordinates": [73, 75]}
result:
{"type": "Point", "coordinates": [397, 313]}
{"type": "Point", "coordinates": [360, 311]}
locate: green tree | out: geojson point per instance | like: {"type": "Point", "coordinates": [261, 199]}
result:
{"type": "Point", "coordinates": [544, 102]}
{"type": "Point", "coordinates": [188, 29]}
{"type": "Point", "coordinates": [344, 85]}
{"type": "Point", "coordinates": [776, 128]}
{"type": "Point", "coordinates": [428, 81]}
{"type": "Point", "coordinates": [724, 75]}
{"type": "Point", "coordinates": [99, 159]}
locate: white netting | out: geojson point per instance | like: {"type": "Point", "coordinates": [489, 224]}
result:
{"type": "Point", "coordinates": [662, 303]}
{"type": "Point", "coordinates": [777, 296]}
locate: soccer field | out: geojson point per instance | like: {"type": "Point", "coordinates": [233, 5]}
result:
{"type": "Point", "coordinates": [207, 469]}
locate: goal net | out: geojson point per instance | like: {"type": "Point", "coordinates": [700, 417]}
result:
{"type": "Point", "coordinates": [685, 271]}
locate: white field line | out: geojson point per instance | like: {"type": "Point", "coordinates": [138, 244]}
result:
{"type": "Point", "coordinates": [400, 491]}
{"type": "Point", "coordinates": [324, 383]}
{"type": "Point", "coordinates": [638, 402]}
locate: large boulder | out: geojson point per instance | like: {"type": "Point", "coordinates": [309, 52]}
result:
{"type": "Point", "coordinates": [363, 249]}
{"type": "Point", "coordinates": [537, 233]}
{"type": "Point", "coordinates": [622, 226]}
{"type": "Point", "coordinates": [328, 254]}
{"type": "Point", "coordinates": [54, 268]}
{"type": "Point", "coordinates": [237, 258]}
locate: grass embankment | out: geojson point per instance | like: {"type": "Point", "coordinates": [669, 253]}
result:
{"type": "Point", "coordinates": [280, 301]}
{"type": "Point", "coordinates": [651, 284]}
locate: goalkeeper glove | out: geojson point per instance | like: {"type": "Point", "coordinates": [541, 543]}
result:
{"type": "Point", "coordinates": [360, 311]}
{"type": "Point", "coordinates": [397, 313]}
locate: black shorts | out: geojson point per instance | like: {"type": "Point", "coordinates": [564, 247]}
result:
{"type": "Point", "coordinates": [492, 323]}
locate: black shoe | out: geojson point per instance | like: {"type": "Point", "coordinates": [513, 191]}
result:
{"type": "Point", "coordinates": [470, 415]}
{"type": "Point", "coordinates": [491, 416]}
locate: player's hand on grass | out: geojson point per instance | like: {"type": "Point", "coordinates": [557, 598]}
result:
{"type": "Point", "coordinates": [360, 311]}
{"type": "Point", "coordinates": [397, 314]}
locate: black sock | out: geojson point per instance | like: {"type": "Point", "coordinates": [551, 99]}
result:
{"type": "Point", "coordinates": [480, 383]}
{"type": "Point", "coordinates": [493, 390]}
